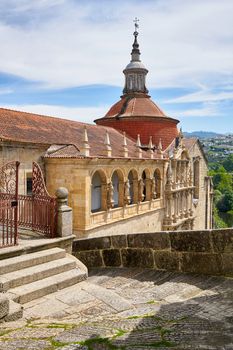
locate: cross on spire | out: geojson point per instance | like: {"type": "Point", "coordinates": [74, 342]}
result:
{"type": "Point", "coordinates": [136, 25]}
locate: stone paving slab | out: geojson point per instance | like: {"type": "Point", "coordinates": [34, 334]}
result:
{"type": "Point", "coordinates": [128, 309]}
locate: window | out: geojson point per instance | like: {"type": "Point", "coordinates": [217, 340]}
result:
{"type": "Point", "coordinates": [29, 184]}
{"type": "Point", "coordinates": [196, 178]}
{"type": "Point", "coordinates": [96, 193]}
{"type": "Point", "coordinates": [115, 183]}
{"type": "Point", "coordinates": [147, 185]}
{"type": "Point", "coordinates": [157, 177]}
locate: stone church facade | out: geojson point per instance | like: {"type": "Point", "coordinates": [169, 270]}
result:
{"type": "Point", "coordinates": [131, 172]}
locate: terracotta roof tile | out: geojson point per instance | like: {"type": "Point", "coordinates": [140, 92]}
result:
{"type": "Point", "coordinates": [135, 107]}
{"type": "Point", "coordinates": [34, 128]}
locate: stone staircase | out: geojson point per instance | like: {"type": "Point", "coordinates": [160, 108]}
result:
{"type": "Point", "coordinates": [31, 276]}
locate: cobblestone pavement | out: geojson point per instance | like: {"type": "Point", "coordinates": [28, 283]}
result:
{"type": "Point", "coordinates": [128, 309]}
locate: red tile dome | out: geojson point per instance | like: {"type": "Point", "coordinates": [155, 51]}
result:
{"type": "Point", "coordinates": [140, 115]}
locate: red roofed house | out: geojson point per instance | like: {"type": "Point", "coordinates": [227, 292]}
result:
{"type": "Point", "coordinates": [132, 172]}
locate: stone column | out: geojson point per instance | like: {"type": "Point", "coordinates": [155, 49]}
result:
{"type": "Point", "coordinates": [182, 173]}
{"type": "Point", "coordinates": [177, 205]}
{"type": "Point", "coordinates": [175, 196]}
{"type": "Point", "coordinates": [140, 190]}
{"type": "Point", "coordinates": [186, 204]}
{"type": "Point", "coordinates": [64, 213]}
{"type": "Point", "coordinates": [186, 174]}
{"type": "Point", "coordinates": [135, 190]}
{"type": "Point", "coordinates": [174, 175]}
{"type": "Point", "coordinates": [127, 193]}
{"type": "Point", "coordinates": [181, 205]}
{"type": "Point", "coordinates": [191, 202]}
{"type": "Point", "coordinates": [168, 208]}
{"type": "Point", "coordinates": [178, 174]}
{"type": "Point", "coordinates": [153, 189]}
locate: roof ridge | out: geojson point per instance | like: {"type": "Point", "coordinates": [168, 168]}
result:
{"type": "Point", "coordinates": [124, 106]}
{"type": "Point", "coordinates": [133, 105]}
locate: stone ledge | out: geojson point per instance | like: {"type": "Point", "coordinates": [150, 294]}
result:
{"type": "Point", "coordinates": [190, 241]}
{"type": "Point", "coordinates": [222, 240]}
{"type": "Point", "coordinates": [157, 240]}
{"type": "Point", "coordinates": [92, 243]}
{"type": "Point", "coordinates": [207, 252]}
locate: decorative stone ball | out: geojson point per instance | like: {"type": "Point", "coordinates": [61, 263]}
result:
{"type": "Point", "coordinates": [62, 193]}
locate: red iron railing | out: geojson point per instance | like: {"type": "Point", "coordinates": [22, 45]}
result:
{"type": "Point", "coordinates": [9, 178]}
{"type": "Point", "coordinates": [8, 218]}
{"type": "Point", "coordinates": [37, 213]}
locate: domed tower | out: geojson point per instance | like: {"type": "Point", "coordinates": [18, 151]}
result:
{"type": "Point", "coordinates": [136, 113]}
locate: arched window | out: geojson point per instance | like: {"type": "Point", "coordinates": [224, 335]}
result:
{"type": "Point", "coordinates": [146, 181]}
{"type": "Point", "coordinates": [133, 183]}
{"type": "Point", "coordinates": [131, 189]}
{"type": "Point", "coordinates": [115, 183]}
{"type": "Point", "coordinates": [144, 189]}
{"type": "Point", "coordinates": [196, 178]}
{"type": "Point", "coordinates": [98, 192]}
{"type": "Point", "coordinates": [157, 177]}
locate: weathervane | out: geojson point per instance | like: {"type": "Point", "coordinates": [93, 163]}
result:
{"type": "Point", "coordinates": [136, 25]}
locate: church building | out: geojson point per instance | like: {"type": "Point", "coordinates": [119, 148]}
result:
{"type": "Point", "coordinates": [131, 172]}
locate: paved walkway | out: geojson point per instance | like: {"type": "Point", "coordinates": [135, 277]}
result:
{"type": "Point", "coordinates": [129, 309]}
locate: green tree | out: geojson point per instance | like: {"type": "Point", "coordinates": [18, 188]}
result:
{"type": "Point", "coordinates": [225, 203]}
{"type": "Point", "coordinates": [217, 196]}
{"type": "Point", "coordinates": [222, 179]}
{"type": "Point", "coordinates": [228, 163]}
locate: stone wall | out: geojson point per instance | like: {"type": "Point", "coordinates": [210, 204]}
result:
{"type": "Point", "coordinates": [205, 252]}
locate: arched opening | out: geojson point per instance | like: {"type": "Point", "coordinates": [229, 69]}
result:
{"type": "Point", "coordinates": [157, 177]}
{"type": "Point", "coordinates": [98, 195]}
{"type": "Point", "coordinates": [146, 185]}
{"type": "Point", "coordinates": [115, 183]}
{"type": "Point", "coordinates": [196, 178]}
{"type": "Point", "coordinates": [118, 188]}
{"type": "Point", "coordinates": [133, 189]}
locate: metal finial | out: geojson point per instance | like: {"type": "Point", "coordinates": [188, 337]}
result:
{"type": "Point", "coordinates": [136, 25]}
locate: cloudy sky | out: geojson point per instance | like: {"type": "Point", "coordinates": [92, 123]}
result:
{"type": "Point", "coordinates": [65, 57]}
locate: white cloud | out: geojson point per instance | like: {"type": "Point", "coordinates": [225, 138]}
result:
{"type": "Point", "coordinates": [202, 96]}
{"type": "Point", "coordinates": [81, 114]}
{"type": "Point", "coordinates": [208, 110]}
{"type": "Point", "coordinates": [183, 43]}
{"type": "Point", "coordinates": [5, 91]}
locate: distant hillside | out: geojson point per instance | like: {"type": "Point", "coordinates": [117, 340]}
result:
{"type": "Point", "coordinates": [201, 134]}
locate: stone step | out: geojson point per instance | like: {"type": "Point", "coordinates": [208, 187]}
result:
{"type": "Point", "coordinates": [15, 312]}
{"type": "Point", "coordinates": [35, 290]}
{"type": "Point", "coordinates": [4, 305]}
{"type": "Point", "coordinates": [35, 273]}
{"type": "Point", "coordinates": [32, 259]}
